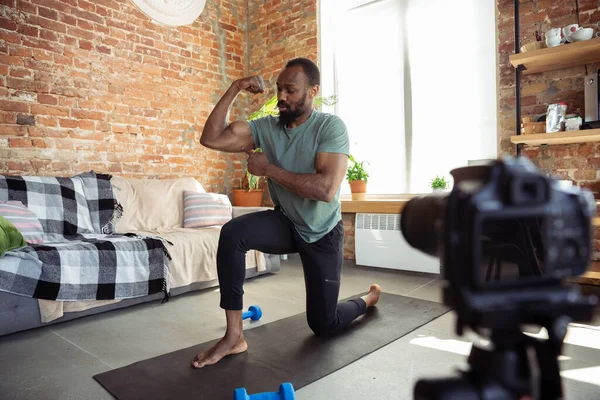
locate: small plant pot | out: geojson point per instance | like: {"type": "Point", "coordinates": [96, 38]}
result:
{"type": "Point", "coordinates": [358, 189]}
{"type": "Point", "coordinates": [247, 198]}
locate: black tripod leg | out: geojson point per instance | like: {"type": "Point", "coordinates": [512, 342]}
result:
{"type": "Point", "coordinates": [547, 353]}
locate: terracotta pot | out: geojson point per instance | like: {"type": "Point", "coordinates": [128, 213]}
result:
{"type": "Point", "coordinates": [358, 189]}
{"type": "Point", "coordinates": [247, 198]}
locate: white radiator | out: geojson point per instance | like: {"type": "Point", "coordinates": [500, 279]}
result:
{"type": "Point", "coordinates": [380, 243]}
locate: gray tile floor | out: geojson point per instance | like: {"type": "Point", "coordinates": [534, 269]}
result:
{"type": "Point", "coordinates": [58, 362]}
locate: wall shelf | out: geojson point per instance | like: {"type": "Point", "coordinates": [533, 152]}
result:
{"type": "Point", "coordinates": [375, 206]}
{"type": "Point", "coordinates": [590, 277]}
{"type": "Point", "coordinates": [559, 57]}
{"type": "Point", "coordinates": [582, 136]}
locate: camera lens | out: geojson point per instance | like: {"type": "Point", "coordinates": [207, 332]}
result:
{"type": "Point", "coordinates": [421, 223]}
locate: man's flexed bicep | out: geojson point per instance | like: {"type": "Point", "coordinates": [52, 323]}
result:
{"type": "Point", "coordinates": [235, 137]}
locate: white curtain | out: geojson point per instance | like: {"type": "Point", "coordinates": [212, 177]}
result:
{"type": "Point", "coordinates": [416, 85]}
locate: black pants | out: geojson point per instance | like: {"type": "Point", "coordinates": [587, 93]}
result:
{"type": "Point", "coordinates": [272, 232]}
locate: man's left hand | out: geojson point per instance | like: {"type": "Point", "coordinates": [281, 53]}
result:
{"type": "Point", "coordinates": [257, 164]}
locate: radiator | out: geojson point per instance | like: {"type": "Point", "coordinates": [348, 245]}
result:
{"type": "Point", "coordinates": [380, 243]}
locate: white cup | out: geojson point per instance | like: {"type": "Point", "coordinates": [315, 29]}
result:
{"type": "Point", "coordinates": [553, 41]}
{"type": "Point", "coordinates": [567, 30]}
{"type": "Point", "coordinates": [553, 32]}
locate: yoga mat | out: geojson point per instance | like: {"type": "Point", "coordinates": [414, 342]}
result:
{"type": "Point", "coordinates": [281, 351]}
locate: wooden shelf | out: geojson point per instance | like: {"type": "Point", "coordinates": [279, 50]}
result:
{"type": "Point", "coordinates": [590, 277]}
{"type": "Point", "coordinates": [537, 139]}
{"type": "Point", "coordinates": [374, 206]}
{"type": "Point", "coordinates": [559, 57]}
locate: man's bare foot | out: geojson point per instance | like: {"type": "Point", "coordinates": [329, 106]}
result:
{"type": "Point", "coordinates": [373, 296]}
{"type": "Point", "coordinates": [224, 347]}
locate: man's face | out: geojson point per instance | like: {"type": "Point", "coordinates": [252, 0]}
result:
{"type": "Point", "coordinates": [294, 94]}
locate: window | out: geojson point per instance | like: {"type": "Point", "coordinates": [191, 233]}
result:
{"type": "Point", "coordinates": [416, 85]}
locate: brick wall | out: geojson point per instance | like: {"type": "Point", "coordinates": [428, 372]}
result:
{"type": "Point", "coordinates": [349, 236]}
{"type": "Point", "coordinates": [96, 85]}
{"type": "Point", "coordinates": [577, 162]}
{"type": "Point", "coordinates": [280, 30]}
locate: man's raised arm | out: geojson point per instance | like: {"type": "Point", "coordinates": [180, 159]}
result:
{"type": "Point", "coordinates": [235, 137]}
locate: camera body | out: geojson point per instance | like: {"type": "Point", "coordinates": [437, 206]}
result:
{"type": "Point", "coordinates": [507, 236]}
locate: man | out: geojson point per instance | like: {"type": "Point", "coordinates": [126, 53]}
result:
{"type": "Point", "coordinates": [305, 155]}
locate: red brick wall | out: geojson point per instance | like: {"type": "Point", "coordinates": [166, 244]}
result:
{"type": "Point", "coordinates": [96, 85]}
{"type": "Point", "coordinates": [577, 162]}
{"type": "Point", "coordinates": [280, 30]}
{"type": "Point", "coordinates": [349, 236]}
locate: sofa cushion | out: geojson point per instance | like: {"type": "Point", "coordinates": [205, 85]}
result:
{"type": "Point", "coordinates": [59, 203]}
{"type": "Point", "coordinates": [23, 219]}
{"type": "Point", "coordinates": [151, 204]}
{"type": "Point", "coordinates": [205, 209]}
{"type": "Point", "coordinates": [194, 255]}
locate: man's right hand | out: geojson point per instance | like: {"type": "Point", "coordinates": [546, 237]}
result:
{"type": "Point", "coordinates": [252, 84]}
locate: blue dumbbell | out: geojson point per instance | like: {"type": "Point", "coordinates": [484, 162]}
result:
{"type": "Point", "coordinates": [286, 392]}
{"type": "Point", "coordinates": [254, 313]}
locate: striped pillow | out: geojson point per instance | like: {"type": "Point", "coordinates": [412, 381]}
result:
{"type": "Point", "coordinates": [205, 209]}
{"type": "Point", "coordinates": [24, 220]}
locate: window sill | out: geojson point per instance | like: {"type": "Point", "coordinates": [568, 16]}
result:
{"type": "Point", "coordinates": [386, 205]}
{"type": "Point", "coordinates": [375, 205]}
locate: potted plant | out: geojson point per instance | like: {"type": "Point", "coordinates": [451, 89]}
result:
{"type": "Point", "coordinates": [439, 184]}
{"type": "Point", "coordinates": [357, 178]}
{"type": "Point", "coordinates": [249, 194]}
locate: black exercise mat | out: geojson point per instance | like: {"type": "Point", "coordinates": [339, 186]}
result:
{"type": "Point", "coordinates": [282, 351]}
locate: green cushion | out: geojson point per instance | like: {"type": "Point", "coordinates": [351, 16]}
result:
{"type": "Point", "coordinates": [10, 237]}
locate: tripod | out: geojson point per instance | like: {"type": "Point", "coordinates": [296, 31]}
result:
{"type": "Point", "coordinates": [515, 365]}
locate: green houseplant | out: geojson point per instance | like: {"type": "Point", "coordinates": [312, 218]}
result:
{"type": "Point", "coordinates": [250, 194]}
{"type": "Point", "coordinates": [439, 183]}
{"type": "Point", "coordinates": [357, 177]}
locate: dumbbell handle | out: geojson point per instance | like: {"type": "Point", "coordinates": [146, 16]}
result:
{"type": "Point", "coordinates": [265, 396]}
{"type": "Point", "coordinates": [255, 313]}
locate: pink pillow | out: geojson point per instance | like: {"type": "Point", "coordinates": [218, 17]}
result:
{"type": "Point", "coordinates": [205, 209]}
{"type": "Point", "coordinates": [24, 220]}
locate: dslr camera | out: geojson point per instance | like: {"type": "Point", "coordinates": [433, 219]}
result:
{"type": "Point", "coordinates": [507, 237]}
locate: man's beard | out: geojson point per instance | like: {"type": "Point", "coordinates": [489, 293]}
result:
{"type": "Point", "coordinates": [289, 116]}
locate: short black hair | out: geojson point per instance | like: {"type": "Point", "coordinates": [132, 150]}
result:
{"type": "Point", "coordinates": [310, 69]}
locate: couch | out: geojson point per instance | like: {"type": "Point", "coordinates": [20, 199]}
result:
{"type": "Point", "coordinates": [137, 212]}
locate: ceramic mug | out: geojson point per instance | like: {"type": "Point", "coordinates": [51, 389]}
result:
{"type": "Point", "coordinates": [553, 41]}
{"type": "Point", "coordinates": [553, 32]}
{"type": "Point", "coordinates": [598, 26]}
{"type": "Point", "coordinates": [567, 30]}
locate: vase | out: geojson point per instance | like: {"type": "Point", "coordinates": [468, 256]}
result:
{"type": "Point", "coordinates": [247, 198]}
{"type": "Point", "coordinates": [358, 189]}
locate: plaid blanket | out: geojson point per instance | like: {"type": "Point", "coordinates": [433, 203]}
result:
{"type": "Point", "coordinates": [81, 258]}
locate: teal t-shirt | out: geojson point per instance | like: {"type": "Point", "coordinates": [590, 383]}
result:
{"type": "Point", "coordinates": [295, 150]}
